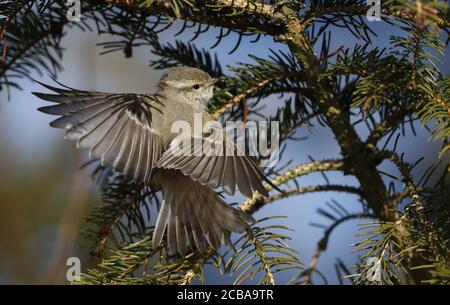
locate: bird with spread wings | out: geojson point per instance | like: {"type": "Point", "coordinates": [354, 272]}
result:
{"type": "Point", "coordinates": [132, 134]}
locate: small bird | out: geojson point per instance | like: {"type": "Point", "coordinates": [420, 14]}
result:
{"type": "Point", "coordinates": [132, 134]}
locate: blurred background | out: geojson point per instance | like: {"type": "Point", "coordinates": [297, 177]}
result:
{"type": "Point", "coordinates": [44, 194]}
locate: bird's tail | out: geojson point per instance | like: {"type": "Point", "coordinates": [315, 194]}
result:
{"type": "Point", "coordinates": [194, 215]}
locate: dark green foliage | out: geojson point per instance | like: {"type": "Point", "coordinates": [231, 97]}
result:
{"type": "Point", "coordinates": [32, 40]}
{"type": "Point", "coordinates": [264, 252]}
{"type": "Point", "coordinates": [186, 54]}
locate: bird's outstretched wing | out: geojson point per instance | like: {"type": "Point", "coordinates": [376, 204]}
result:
{"type": "Point", "coordinates": [227, 170]}
{"type": "Point", "coordinates": [116, 128]}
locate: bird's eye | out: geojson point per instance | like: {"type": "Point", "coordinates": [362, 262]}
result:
{"type": "Point", "coordinates": [196, 87]}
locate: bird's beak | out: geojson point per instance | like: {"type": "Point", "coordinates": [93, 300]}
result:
{"type": "Point", "coordinates": [214, 81]}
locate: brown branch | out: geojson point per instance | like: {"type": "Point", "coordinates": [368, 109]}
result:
{"type": "Point", "coordinates": [418, 206]}
{"type": "Point", "coordinates": [249, 93]}
{"type": "Point", "coordinates": [196, 266]}
{"type": "Point", "coordinates": [266, 10]}
{"type": "Point", "coordinates": [241, 97]}
{"type": "Point", "coordinates": [386, 124]}
{"type": "Point", "coordinates": [5, 45]}
{"type": "Point", "coordinates": [362, 11]}
{"type": "Point", "coordinates": [253, 204]}
{"type": "Point", "coordinates": [10, 18]}
{"type": "Point", "coordinates": [322, 247]}
{"type": "Point", "coordinates": [106, 232]}
{"type": "Point", "coordinates": [359, 157]}
{"type": "Point", "coordinates": [264, 262]}
{"type": "Point", "coordinates": [26, 49]}
{"type": "Point", "coordinates": [311, 189]}
{"type": "Point", "coordinates": [307, 273]}
{"type": "Point", "coordinates": [207, 13]}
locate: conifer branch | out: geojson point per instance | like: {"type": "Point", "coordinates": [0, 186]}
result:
{"type": "Point", "coordinates": [241, 97]}
{"type": "Point", "coordinates": [253, 204]}
{"type": "Point", "coordinates": [229, 7]}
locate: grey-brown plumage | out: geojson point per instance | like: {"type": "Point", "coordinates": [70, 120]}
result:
{"type": "Point", "coordinates": [132, 133]}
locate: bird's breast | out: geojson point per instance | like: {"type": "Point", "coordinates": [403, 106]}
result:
{"type": "Point", "coordinates": [180, 114]}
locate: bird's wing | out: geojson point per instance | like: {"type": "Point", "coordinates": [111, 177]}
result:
{"type": "Point", "coordinates": [116, 128]}
{"type": "Point", "coordinates": [203, 164]}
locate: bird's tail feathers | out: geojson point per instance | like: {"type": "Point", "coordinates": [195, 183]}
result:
{"type": "Point", "coordinates": [194, 216]}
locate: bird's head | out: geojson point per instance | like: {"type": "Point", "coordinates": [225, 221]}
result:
{"type": "Point", "coordinates": [193, 84]}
